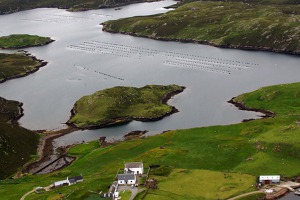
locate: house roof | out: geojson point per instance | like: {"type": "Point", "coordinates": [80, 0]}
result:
{"type": "Point", "coordinates": [126, 177]}
{"type": "Point", "coordinates": [134, 165]}
{"type": "Point", "coordinates": [269, 177]}
{"type": "Point", "coordinates": [76, 178]}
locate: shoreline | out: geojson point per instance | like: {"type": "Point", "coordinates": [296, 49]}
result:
{"type": "Point", "coordinates": [45, 148]}
{"type": "Point", "coordinates": [124, 120]}
{"type": "Point", "coordinates": [15, 120]}
{"type": "Point", "coordinates": [241, 106]}
{"type": "Point", "coordinates": [203, 42]}
{"type": "Point", "coordinates": [42, 64]}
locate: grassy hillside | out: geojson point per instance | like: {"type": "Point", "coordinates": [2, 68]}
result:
{"type": "Point", "coordinates": [123, 104]}
{"type": "Point", "coordinates": [17, 65]}
{"type": "Point", "coordinates": [267, 26]}
{"type": "Point", "coordinates": [230, 155]}
{"type": "Point", "coordinates": [9, 110]}
{"type": "Point", "coordinates": [10, 6]}
{"type": "Point", "coordinates": [16, 143]}
{"type": "Point", "coordinates": [17, 146]}
{"type": "Point", "coordinates": [23, 40]}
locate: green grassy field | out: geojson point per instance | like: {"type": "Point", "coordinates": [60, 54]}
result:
{"type": "Point", "coordinates": [17, 65]}
{"type": "Point", "coordinates": [200, 184]}
{"type": "Point", "coordinates": [269, 26]}
{"type": "Point", "coordinates": [17, 145]}
{"type": "Point", "coordinates": [122, 104]}
{"type": "Point", "coordinates": [22, 40]}
{"type": "Point", "coordinates": [239, 152]}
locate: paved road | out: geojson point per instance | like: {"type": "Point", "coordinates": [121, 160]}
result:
{"type": "Point", "coordinates": [246, 194]}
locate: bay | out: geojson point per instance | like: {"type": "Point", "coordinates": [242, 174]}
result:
{"type": "Point", "coordinates": [84, 59]}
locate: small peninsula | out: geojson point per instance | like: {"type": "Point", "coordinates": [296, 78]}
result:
{"type": "Point", "coordinates": [268, 26]}
{"type": "Point", "coordinates": [17, 144]}
{"type": "Point", "coordinates": [18, 65]}
{"type": "Point", "coordinates": [17, 41]}
{"type": "Point", "coordinates": [123, 104]}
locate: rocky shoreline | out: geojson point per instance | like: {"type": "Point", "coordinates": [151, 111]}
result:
{"type": "Point", "coordinates": [42, 64]}
{"type": "Point", "coordinates": [45, 149]}
{"type": "Point", "coordinates": [124, 120]}
{"type": "Point", "coordinates": [204, 42]}
{"type": "Point", "coordinates": [241, 106]}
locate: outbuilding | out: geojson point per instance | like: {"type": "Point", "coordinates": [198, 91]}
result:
{"type": "Point", "coordinates": [134, 167]}
{"type": "Point", "coordinates": [124, 179]}
{"type": "Point", "coordinates": [61, 183]}
{"type": "Point", "coordinates": [75, 179]}
{"type": "Point", "coordinates": [269, 179]}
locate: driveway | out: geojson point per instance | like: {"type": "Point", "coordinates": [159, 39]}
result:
{"type": "Point", "coordinates": [134, 190]}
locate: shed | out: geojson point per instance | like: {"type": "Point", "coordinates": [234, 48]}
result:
{"type": "Point", "coordinates": [124, 179]}
{"type": "Point", "coordinates": [269, 179]}
{"type": "Point", "coordinates": [134, 167]}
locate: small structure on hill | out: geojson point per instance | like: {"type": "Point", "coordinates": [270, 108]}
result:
{"type": "Point", "coordinates": [134, 167]}
{"type": "Point", "coordinates": [269, 179]}
{"type": "Point", "coordinates": [68, 181]}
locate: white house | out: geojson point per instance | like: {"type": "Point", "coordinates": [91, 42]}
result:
{"type": "Point", "coordinates": [134, 167]}
{"type": "Point", "coordinates": [124, 179]}
{"type": "Point", "coordinates": [269, 179]}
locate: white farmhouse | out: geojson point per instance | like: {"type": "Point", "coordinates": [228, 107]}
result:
{"type": "Point", "coordinates": [269, 179]}
{"type": "Point", "coordinates": [124, 179]}
{"type": "Point", "coordinates": [134, 167]}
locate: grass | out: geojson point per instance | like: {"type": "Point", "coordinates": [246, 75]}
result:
{"type": "Point", "coordinates": [111, 106]}
{"type": "Point", "coordinates": [125, 194]}
{"type": "Point", "coordinates": [17, 65]}
{"type": "Point", "coordinates": [201, 184]}
{"type": "Point", "coordinates": [210, 162]}
{"type": "Point", "coordinates": [9, 110]}
{"type": "Point", "coordinates": [17, 145]}
{"type": "Point", "coordinates": [270, 26]}
{"type": "Point", "coordinates": [253, 197]}
{"type": "Point", "coordinates": [22, 40]}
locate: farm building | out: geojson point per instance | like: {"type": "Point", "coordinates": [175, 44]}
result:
{"type": "Point", "coordinates": [61, 183]}
{"type": "Point", "coordinates": [269, 179]}
{"type": "Point", "coordinates": [68, 181]}
{"type": "Point", "coordinates": [75, 179]}
{"type": "Point", "coordinates": [134, 167]}
{"type": "Point", "coordinates": [124, 179]}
